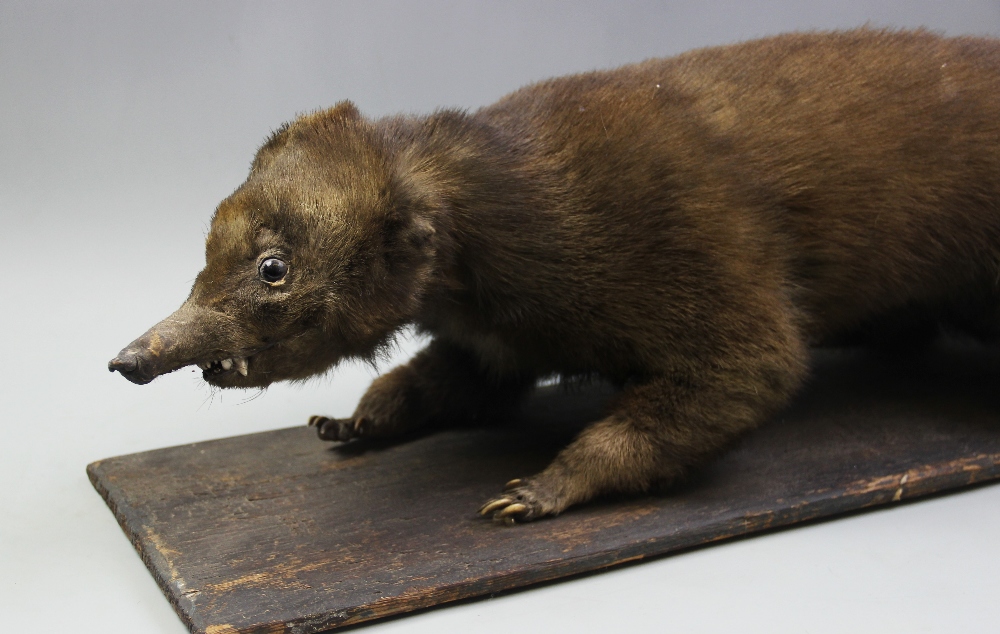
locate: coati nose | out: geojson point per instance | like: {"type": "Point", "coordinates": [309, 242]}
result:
{"type": "Point", "coordinates": [125, 362]}
{"type": "Point", "coordinates": [128, 364]}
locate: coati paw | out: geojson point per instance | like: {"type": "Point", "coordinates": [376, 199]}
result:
{"type": "Point", "coordinates": [341, 429]}
{"type": "Point", "coordinates": [521, 501]}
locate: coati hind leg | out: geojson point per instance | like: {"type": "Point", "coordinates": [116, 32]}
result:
{"type": "Point", "coordinates": [658, 430]}
{"type": "Point", "coordinates": [441, 384]}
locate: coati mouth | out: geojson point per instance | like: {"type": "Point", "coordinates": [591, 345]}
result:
{"type": "Point", "coordinates": [217, 372]}
{"type": "Point", "coordinates": [221, 369]}
{"type": "Point", "coordinates": [215, 368]}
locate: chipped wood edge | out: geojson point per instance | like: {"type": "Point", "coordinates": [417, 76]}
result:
{"type": "Point", "coordinates": [158, 565]}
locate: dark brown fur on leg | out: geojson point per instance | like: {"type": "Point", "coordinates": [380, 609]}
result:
{"type": "Point", "coordinates": [441, 384]}
{"type": "Point", "coordinates": [660, 429]}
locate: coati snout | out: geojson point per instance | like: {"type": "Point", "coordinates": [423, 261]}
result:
{"type": "Point", "coordinates": [685, 228]}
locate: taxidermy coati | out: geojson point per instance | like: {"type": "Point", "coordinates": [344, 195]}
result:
{"type": "Point", "coordinates": [685, 228]}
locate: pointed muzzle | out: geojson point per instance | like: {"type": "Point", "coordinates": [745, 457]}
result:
{"type": "Point", "coordinates": [190, 335]}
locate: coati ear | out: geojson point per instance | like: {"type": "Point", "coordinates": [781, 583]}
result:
{"type": "Point", "coordinates": [412, 215]}
{"type": "Point", "coordinates": [409, 225]}
{"type": "Point", "coordinates": [320, 122]}
{"type": "Point", "coordinates": [345, 110]}
{"type": "Point", "coordinates": [274, 143]}
{"type": "Point", "coordinates": [419, 232]}
{"type": "Point", "coordinates": [342, 112]}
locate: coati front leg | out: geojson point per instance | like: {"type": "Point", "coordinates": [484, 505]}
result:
{"type": "Point", "coordinates": [442, 383]}
{"type": "Point", "coordinates": [658, 430]}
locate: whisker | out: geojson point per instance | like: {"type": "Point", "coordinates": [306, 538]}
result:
{"type": "Point", "coordinates": [260, 392]}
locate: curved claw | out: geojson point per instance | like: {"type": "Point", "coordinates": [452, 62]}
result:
{"type": "Point", "coordinates": [360, 425]}
{"type": "Point", "coordinates": [513, 484]}
{"type": "Point", "coordinates": [315, 421]}
{"type": "Point", "coordinates": [510, 511]}
{"type": "Point", "coordinates": [493, 505]}
{"type": "Point", "coordinates": [335, 429]}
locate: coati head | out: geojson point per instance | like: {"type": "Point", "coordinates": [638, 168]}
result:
{"type": "Point", "coordinates": [323, 253]}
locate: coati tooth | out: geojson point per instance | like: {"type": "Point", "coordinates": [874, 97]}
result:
{"type": "Point", "coordinates": [226, 364]}
{"type": "Point", "coordinates": [241, 365]}
{"type": "Point", "coordinates": [206, 365]}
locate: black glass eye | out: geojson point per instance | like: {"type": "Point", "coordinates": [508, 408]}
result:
{"type": "Point", "coordinates": [273, 270]}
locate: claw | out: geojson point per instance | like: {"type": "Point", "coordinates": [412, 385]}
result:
{"type": "Point", "coordinates": [511, 511]}
{"type": "Point", "coordinates": [315, 420]}
{"type": "Point", "coordinates": [516, 482]}
{"type": "Point", "coordinates": [321, 431]}
{"type": "Point", "coordinates": [489, 507]}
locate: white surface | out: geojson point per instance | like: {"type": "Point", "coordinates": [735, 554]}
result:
{"type": "Point", "coordinates": [122, 125]}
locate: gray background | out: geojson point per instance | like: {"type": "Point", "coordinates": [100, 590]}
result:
{"type": "Point", "coordinates": [122, 125]}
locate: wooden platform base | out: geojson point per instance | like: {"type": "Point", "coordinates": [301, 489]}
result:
{"type": "Point", "coordinates": [279, 532]}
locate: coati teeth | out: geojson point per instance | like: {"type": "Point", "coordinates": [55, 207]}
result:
{"type": "Point", "coordinates": [240, 363]}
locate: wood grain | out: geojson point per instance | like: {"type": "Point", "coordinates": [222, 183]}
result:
{"type": "Point", "coordinates": [279, 532]}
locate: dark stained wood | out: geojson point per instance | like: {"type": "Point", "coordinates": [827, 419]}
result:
{"type": "Point", "coordinates": [279, 532]}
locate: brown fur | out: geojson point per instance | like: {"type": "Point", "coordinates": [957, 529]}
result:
{"type": "Point", "coordinates": [684, 227]}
